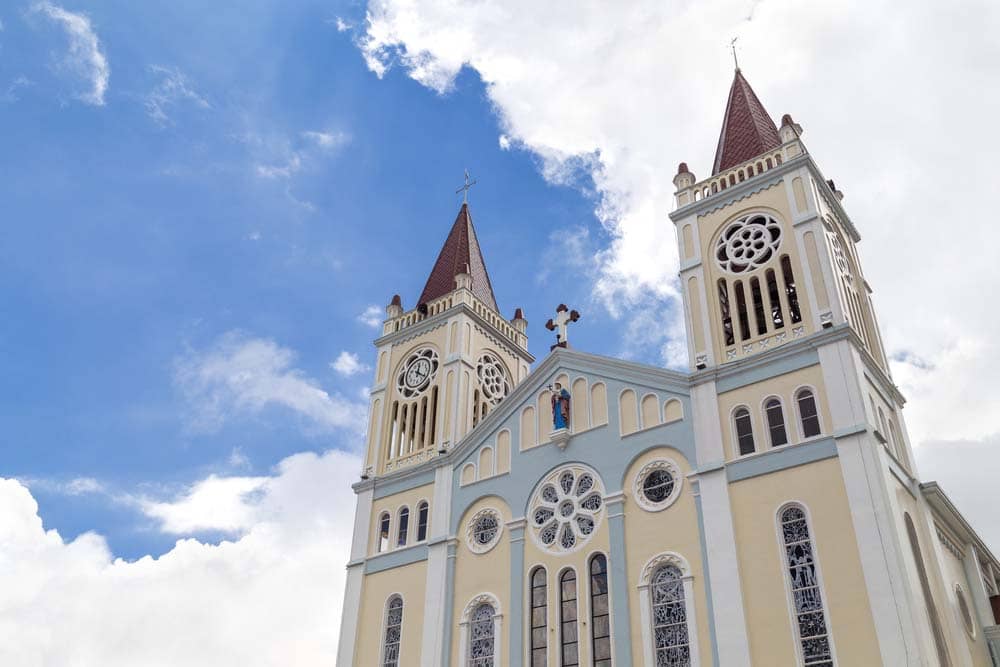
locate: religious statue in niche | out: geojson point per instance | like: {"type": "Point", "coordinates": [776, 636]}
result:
{"type": "Point", "coordinates": [560, 407]}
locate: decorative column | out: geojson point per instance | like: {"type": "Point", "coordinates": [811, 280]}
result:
{"type": "Point", "coordinates": [437, 600]}
{"type": "Point", "coordinates": [515, 627]}
{"type": "Point", "coordinates": [621, 629]}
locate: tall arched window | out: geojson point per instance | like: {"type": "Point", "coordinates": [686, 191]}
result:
{"type": "Point", "coordinates": [383, 532]}
{"type": "Point", "coordinates": [539, 618]}
{"type": "Point", "coordinates": [808, 414]}
{"type": "Point", "coordinates": [422, 514]}
{"type": "Point", "coordinates": [404, 526]}
{"type": "Point", "coordinates": [806, 595]}
{"type": "Point", "coordinates": [567, 617]}
{"type": "Point", "coordinates": [776, 422]}
{"type": "Point", "coordinates": [744, 431]}
{"type": "Point", "coordinates": [393, 631]}
{"type": "Point", "coordinates": [481, 637]}
{"type": "Point", "coordinates": [600, 619]}
{"type": "Point", "coordinates": [925, 586]}
{"type": "Point", "coordinates": [670, 630]}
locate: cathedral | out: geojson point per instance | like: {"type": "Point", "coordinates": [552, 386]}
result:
{"type": "Point", "coordinates": [762, 508]}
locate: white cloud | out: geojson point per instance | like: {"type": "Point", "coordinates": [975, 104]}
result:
{"type": "Point", "coordinates": [622, 93]}
{"type": "Point", "coordinates": [342, 25]}
{"type": "Point", "coordinates": [172, 89]}
{"type": "Point", "coordinates": [327, 140]}
{"type": "Point", "coordinates": [10, 95]}
{"type": "Point", "coordinates": [83, 485]}
{"type": "Point", "coordinates": [237, 459]}
{"type": "Point", "coordinates": [216, 503]}
{"type": "Point", "coordinates": [271, 597]}
{"type": "Point", "coordinates": [348, 364]}
{"type": "Point", "coordinates": [244, 375]}
{"type": "Point", "coordinates": [372, 316]}
{"type": "Point", "coordinates": [85, 58]}
{"type": "Point", "coordinates": [287, 169]}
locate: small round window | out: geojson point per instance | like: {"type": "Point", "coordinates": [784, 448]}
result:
{"type": "Point", "coordinates": [484, 530]}
{"type": "Point", "coordinates": [493, 378]}
{"type": "Point", "coordinates": [657, 485]}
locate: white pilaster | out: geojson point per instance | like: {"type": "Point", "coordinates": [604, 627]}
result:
{"type": "Point", "coordinates": [355, 580]}
{"type": "Point", "coordinates": [434, 618]}
{"type": "Point", "coordinates": [871, 508]}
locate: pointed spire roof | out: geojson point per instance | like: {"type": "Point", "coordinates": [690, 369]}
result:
{"type": "Point", "coordinates": [460, 254]}
{"type": "Point", "coordinates": [747, 129]}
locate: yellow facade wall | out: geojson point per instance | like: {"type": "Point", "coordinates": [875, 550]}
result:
{"type": "Point", "coordinates": [482, 573]}
{"type": "Point", "coordinates": [408, 581]}
{"type": "Point", "coordinates": [753, 396]}
{"type": "Point", "coordinates": [755, 503]}
{"type": "Point", "coordinates": [648, 534]}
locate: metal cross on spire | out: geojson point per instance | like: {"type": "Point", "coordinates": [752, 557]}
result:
{"type": "Point", "coordinates": [465, 188]}
{"type": "Point", "coordinates": [732, 45]}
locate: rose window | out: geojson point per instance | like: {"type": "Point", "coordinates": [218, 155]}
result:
{"type": "Point", "coordinates": [566, 509]}
{"type": "Point", "coordinates": [417, 373]}
{"type": "Point", "coordinates": [494, 380]}
{"type": "Point", "coordinates": [748, 243]}
{"type": "Point", "coordinates": [657, 485]}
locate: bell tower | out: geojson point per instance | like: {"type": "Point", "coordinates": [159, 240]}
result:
{"type": "Point", "coordinates": [767, 250]}
{"type": "Point", "coordinates": [443, 365]}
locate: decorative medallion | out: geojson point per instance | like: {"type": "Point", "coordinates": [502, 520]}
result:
{"type": "Point", "coordinates": [417, 373]}
{"type": "Point", "coordinates": [748, 243]}
{"type": "Point", "coordinates": [657, 485]}
{"type": "Point", "coordinates": [566, 509]}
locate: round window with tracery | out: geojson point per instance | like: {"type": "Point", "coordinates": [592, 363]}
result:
{"type": "Point", "coordinates": [494, 381]}
{"type": "Point", "coordinates": [748, 243]}
{"type": "Point", "coordinates": [657, 485]}
{"type": "Point", "coordinates": [417, 372]}
{"type": "Point", "coordinates": [566, 509]}
{"type": "Point", "coordinates": [484, 530]}
{"type": "Point", "coordinates": [839, 254]}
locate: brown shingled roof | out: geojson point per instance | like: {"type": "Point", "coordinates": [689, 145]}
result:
{"type": "Point", "coordinates": [747, 129]}
{"type": "Point", "coordinates": [460, 249]}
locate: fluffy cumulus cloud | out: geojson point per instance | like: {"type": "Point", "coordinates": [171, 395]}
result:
{"type": "Point", "coordinates": [348, 364]}
{"type": "Point", "coordinates": [270, 597]}
{"type": "Point", "coordinates": [372, 316]}
{"type": "Point", "coordinates": [241, 375]}
{"type": "Point", "coordinates": [626, 91]}
{"type": "Point", "coordinates": [85, 57]}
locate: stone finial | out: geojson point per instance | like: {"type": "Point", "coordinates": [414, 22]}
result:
{"type": "Point", "coordinates": [684, 178]}
{"type": "Point", "coordinates": [836, 192]}
{"type": "Point", "coordinates": [395, 307]}
{"type": "Point", "coordinates": [518, 321]}
{"type": "Point", "coordinates": [789, 130]}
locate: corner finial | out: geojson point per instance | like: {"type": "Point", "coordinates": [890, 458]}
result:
{"type": "Point", "coordinates": [732, 45]}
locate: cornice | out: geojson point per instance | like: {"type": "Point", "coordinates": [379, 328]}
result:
{"type": "Point", "coordinates": [945, 510]}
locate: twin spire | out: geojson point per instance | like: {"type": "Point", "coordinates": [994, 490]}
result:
{"type": "Point", "coordinates": [747, 128]}
{"type": "Point", "coordinates": [460, 254]}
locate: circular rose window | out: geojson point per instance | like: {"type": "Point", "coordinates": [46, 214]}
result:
{"type": "Point", "coordinates": [493, 378]}
{"type": "Point", "coordinates": [839, 255]}
{"type": "Point", "coordinates": [484, 530]}
{"type": "Point", "coordinates": [566, 509]}
{"type": "Point", "coordinates": [657, 485]}
{"type": "Point", "coordinates": [748, 243]}
{"type": "Point", "coordinates": [417, 372]}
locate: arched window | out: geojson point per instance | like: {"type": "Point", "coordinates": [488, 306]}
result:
{"type": "Point", "coordinates": [481, 637]}
{"type": "Point", "coordinates": [393, 631]}
{"type": "Point", "coordinates": [772, 291]}
{"type": "Point", "coordinates": [600, 619]}
{"type": "Point", "coordinates": [925, 586]}
{"type": "Point", "coordinates": [727, 318]}
{"type": "Point", "coordinates": [383, 532]}
{"type": "Point", "coordinates": [670, 629]}
{"type": "Point", "coordinates": [404, 526]}
{"type": "Point", "coordinates": [567, 617]}
{"type": "Point", "coordinates": [744, 431]}
{"type": "Point", "coordinates": [422, 511]}
{"type": "Point", "coordinates": [539, 618]}
{"type": "Point", "coordinates": [790, 292]}
{"type": "Point", "coordinates": [806, 596]}
{"type": "Point", "coordinates": [776, 422]}
{"type": "Point", "coordinates": [808, 414]}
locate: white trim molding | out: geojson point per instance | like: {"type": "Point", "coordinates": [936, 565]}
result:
{"type": "Point", "coordinates": [638, 493]}
{"type": "Point", "coordinates": [463, 626]}
{"type": "Point", "coordinates": [646, 605]}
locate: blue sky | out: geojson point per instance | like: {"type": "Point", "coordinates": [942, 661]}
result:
{"type": "Point", "coordinates": [203, 205]}
{"type": "Point", "coordinates": [137, 235]}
